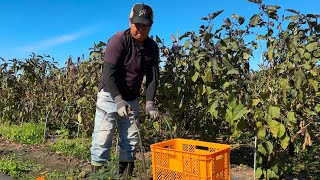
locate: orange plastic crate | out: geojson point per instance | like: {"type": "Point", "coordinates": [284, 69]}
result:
{"type": "Point", "coordinates": [181, 159]}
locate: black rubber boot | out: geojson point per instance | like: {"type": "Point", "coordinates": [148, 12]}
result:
{"type": "Point", "coordinates": [126, 168]}
{"type": "Point", "coordinates": [95, 169]}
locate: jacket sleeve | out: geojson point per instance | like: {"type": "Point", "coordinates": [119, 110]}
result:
{"type": "Point", "coordinates": [152, 77]}
{"type": "Point", "coordinates": [112, 58]}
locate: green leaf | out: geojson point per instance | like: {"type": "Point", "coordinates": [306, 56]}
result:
{"type": "Point", "coordinates": [178, 90]}
{"type": "Point", "coordinates": [181, 103]}
{"type": "Point", "coordinates": [301, 51]}
{"type": "Point", "coordinates": [294, 17]}
{"type": "Point", "coordinates": [255, 102]}
{"type": "Point", "coordinates": [270, 53]}
{"type": "Point", "coordinates": [204, 18]}
{"type": "Point", "coordinates": [293, 11]}
{"type": "Point", "coordinates": [261, 37]}
{"type": "Point", "coordinates": [239, 111]}
{"type": "Point", "coordinates": [262, 149]}
{"type": "Point", "coordinates": [317, 108]}
{"type": "Point", "coordinates": [284, 84]}
{"type": "Point", "coordinates": [259, 114]}
{"type": "Point", "coordinates": [255, 20]}
{"type": "Point", "coordinates": [245, 56]}
{"type": "Point", "coordinates": [269, 147]}
{"type": "Point", "coordinates": [235, 16]}
{"type": "Point", "coordinates": [316, 54]}
{"type": "Point", "coordinates": [271, 174]}
{"type": "Point", "coordinates": [225, 85]}
{"type": "Point", "coordinates": [82, 101]}
{"type": "Point", "coordinates": [233, 71]}
{"type": "Point", "coordinates": [187, 44]}
{"type": "Point", "coordinates": [79, 118]}
{"type": "Point", "coordinates": [195, 76]}
{"type": "Point", "coordinates": [235, 111]}
{"type": "Point", "coordinates": [241, 20]}
{"type": "Point", "coordinates": [274, 127]}
{"type": "Point", "coordinates": [274, 111]}
{"type": "Point", "coordinates": [297, 58]}
{"type": "Point", "coordinates": [282, 130]}
{"type": "Point", "coordinates": [274, 8]}
{"type": "Point", "coordinates": [229, 116]}
{"type": "Point", "coordinates": [156, 125]}
{"type": "Point", "coordinates": [227, 64]}
{"type": "Point", "coordinates": [256, 1]}
{"type": "Point", "coordinates": [312, 46]}
{"type": "Point", "coordinates": [275, 168]}
{"type": "Point", "coordinates": [291, 117]}
{"type": "Point", "coordinates": [291, 25]}
{"type": "Point", "coordinates": [314, 84]}
{"type": "Point", "coordinates": [197, 64]}
{"type": "Point", "coordinates": [299, 77]}
{"type": "Point", "coordinates": [306, 55]}
{"type": "Point", "coordinates": [279, 27]}
{"type": "Point", "coordinates": [314, 73]}
{"type": "Point", "coordinates": [202, 54]}
{"type": "Point", "coordinates": [272, 13]}
{"type": "Point", "coordinates": [258, 173]}
{"type": "Point", "coordinates": [285, 141]}
{"type": "Point", "coordinates": [212, 110]}
{"type": "Point", "coordinates": [262, 133]}
{"type": "Point", "coordinates": [202, 89]}
{"type": "Point", "coordinates": [215, 14]}
{"type": "Point", "coordinates": [208, 75]}
{"type": "Point", "coordinates": [234, 46]}
{"type": "Point", "coordinates": [307, 66]}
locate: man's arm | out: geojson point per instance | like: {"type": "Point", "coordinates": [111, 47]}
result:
{"type": "Point", "coordinates": [152, 78]}
{"type": "Point", "coordinates": [112, 58]}
{"type": "Point", "coordinates": [112, 62]}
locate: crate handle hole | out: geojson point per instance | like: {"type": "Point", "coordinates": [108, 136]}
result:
{"type": "Point", "coordinates": [202, 148]}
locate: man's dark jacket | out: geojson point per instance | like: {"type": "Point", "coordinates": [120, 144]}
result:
{"type": "Point", "coordinates": [125, 64]}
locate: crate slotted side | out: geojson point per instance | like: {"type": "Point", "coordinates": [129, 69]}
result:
{"type": "Point", "coordinates": [182, 159]}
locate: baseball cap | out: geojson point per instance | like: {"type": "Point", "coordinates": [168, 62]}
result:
{"type": "Point", "coordinates": [141, 13]}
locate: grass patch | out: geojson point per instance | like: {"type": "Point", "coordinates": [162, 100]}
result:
{"type": "Point", "coordinates": [79, 148]}
{"type": "Point", "coordinates": [110, 171]}
{"type": "Point", "coordinates": [70, 174]}
{"type": "Point", "coordinates": [16, 168]}
{"type": "Point", "coordinates": [28, 133]}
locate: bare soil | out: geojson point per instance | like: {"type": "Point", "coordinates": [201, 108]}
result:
{"type": "Point", "coordinates": [56, 162]}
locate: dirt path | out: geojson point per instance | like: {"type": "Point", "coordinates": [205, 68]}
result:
{"type": "Point", "coordinates": [49, 161]}
{"type": "Point", "coordinates": [55, 162]}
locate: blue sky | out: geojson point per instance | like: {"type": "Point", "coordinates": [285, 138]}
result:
{"type": "Point", "coordinates": [63, 28]}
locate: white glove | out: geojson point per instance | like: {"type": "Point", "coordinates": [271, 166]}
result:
{"type": "Point", "coordinates": [153, 113]}
{"type": "Point", "coordinates": [123, 111]}
{"type": "Point", "coordinates": [122, 105]}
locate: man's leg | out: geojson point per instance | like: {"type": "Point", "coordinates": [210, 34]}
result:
{"type": "Point", "coordinates": [104, 127]}
{"type": "Point", "coordinates": [128, 140]}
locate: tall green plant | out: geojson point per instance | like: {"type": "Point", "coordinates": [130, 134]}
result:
{"type": "Point", "coordinates": [288, 93]}
{"type": "Point", "coordinates": [206, 83]}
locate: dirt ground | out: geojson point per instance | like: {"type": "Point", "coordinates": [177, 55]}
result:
{"type": "Point", "coordinates": [55, 162]}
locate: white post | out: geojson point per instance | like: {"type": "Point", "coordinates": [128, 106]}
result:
{"type": "Point", "coordinates": [255, 157]}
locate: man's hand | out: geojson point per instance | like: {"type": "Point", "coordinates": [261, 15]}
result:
{"type": "Point", "coordinates": [122, 105]}
{"type": "Point", "coordinates": [153, 113]}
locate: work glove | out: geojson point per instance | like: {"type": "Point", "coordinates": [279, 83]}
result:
{"type": "Point", "coordinates": [151, 111]}
{"type": "Point", "coordinates": [123, 106]}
